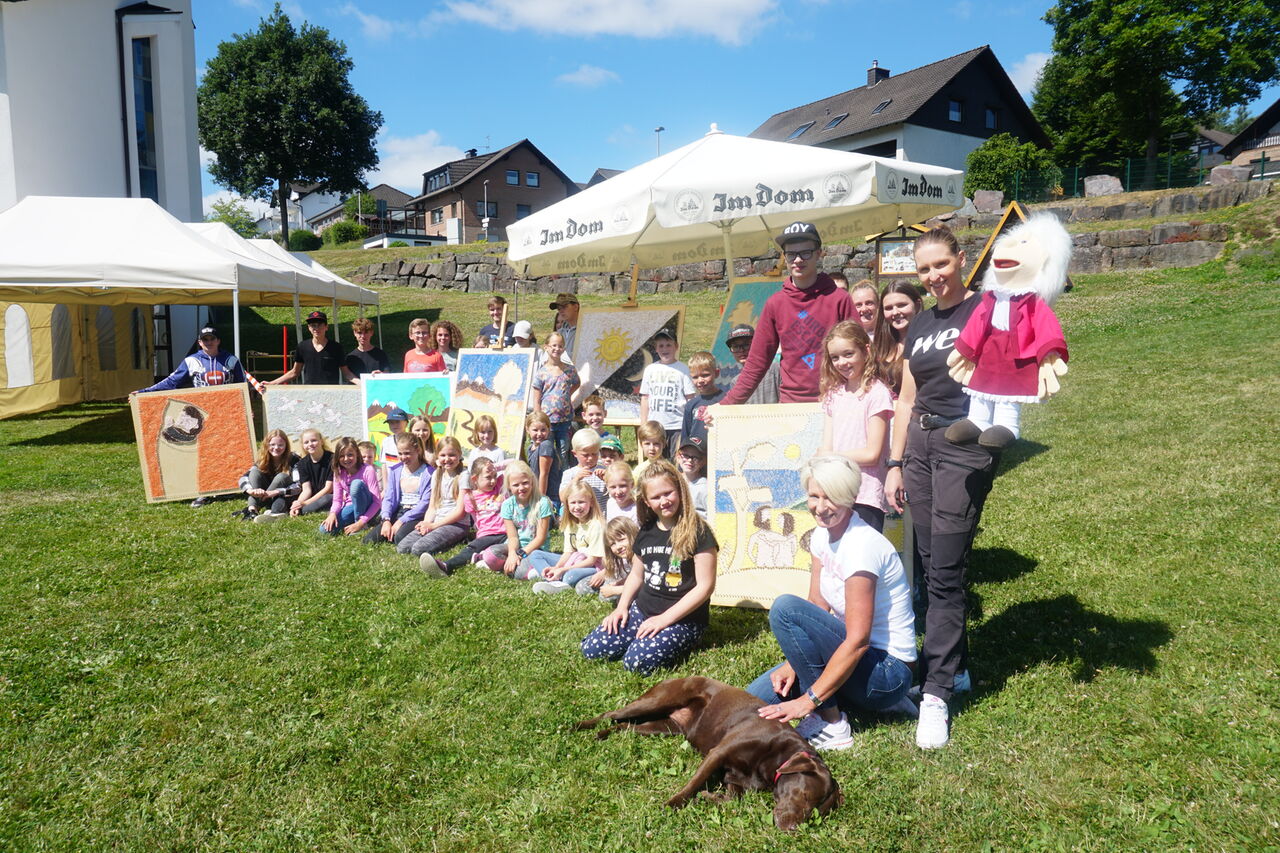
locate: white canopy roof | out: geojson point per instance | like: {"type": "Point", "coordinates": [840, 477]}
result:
{"type": "Point", "coordinates": [130, 251]}
{"type": "Point", "coordinates": [348, 293]}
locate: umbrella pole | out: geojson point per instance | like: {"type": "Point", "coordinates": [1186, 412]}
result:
{"type": "Point", "coordinates": [725, 228]}
{"type": "Point", "coordinates": [635, 280]}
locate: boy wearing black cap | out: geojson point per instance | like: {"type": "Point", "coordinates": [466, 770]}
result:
{"type": "Point", "coordinates": [796, 318]}
{"type": "Point", "coordinates": [665, 387]}
{"type": "Point", "coordinates": [739, 343]}
{"type": "Point", "coordinates": [318, 361]}
{"type": "Point", "coordinates": [209, 365]}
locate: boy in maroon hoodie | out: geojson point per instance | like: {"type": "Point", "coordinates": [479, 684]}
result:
{"type": "Point", "coordinates": [797, 317]}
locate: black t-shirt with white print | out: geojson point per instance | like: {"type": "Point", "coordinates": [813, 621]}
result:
{"type": "Point", "coordinates": [666, 583]}
{"type": "Point", "coordinates": [930, 340]}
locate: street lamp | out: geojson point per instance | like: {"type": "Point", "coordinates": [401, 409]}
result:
{"type": "Point", "coordinates": [657, 136]}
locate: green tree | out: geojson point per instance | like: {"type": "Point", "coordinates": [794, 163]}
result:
{"type": "Point", "coordinates": [276, 108]}
{"type": "Point", "coordinates": [1129, 57]}
{"type": "Point", "coordinates": [234, 215]}
{"type": "Point", "coordinates": [1229, 120]}
{"type": "Point", "coordinates": [368, 205]}
{"type": "Point", "coordinates": [993, 164]}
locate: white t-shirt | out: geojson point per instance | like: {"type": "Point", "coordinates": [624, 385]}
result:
{"type": "Point", "coordinates": [668, 387]}
{"type": "Point", "coordinates": [862, 549]}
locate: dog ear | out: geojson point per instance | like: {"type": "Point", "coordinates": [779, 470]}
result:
{"type": "Point", "coordinates": [803, 762]}
{"type": "Point", "coordinates": [820, 792]}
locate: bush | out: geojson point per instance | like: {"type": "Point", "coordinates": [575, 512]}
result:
{"type": "Point", "coordinates": [397, 244]}
{"type": "Point", "coordinates": [992, 165]}
{"type": "Point", "coordinates": [344, 231]}
{"type": "Point", "coordinates": [302, 240]}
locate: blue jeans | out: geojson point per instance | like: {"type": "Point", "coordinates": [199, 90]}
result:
{"type": "Point", "coordinates": [561, 433]}
{"type": "Point", "coordinates": [541, 560]}
{"type": "Point", "coordinates": [808, 636]}
{"type": "Point", "coordinates": [359, 501]}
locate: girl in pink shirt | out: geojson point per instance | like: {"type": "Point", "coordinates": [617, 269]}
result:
{"type": "Point", "coordinates": [356, 495]}
{"type": "Point", "coordinates": [858, 406]}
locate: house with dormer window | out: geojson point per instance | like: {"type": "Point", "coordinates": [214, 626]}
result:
{"type": "Point", "coordinates": [934, 114]}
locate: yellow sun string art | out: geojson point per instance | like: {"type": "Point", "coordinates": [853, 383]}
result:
{"type": "Point", "coordinates": [614, 346]}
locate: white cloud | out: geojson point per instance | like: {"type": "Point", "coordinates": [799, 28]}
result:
{"type": "Point", "coordinates": [403, 159]}
{"type": "Point", "coordinates": [257, 207]}
{"type": "Point", "coordinates": [728, 21]}
{"type": "Point", "coordinates": [622, 135]}
{"type": "Point", "coordinates": [1026, 71]}
{"type": "Point", "coordinates": [588, 76]}
{"type": "Point", "coordinates": [207, 157]}
{"type": "Point", "coordinates": [372, 26]}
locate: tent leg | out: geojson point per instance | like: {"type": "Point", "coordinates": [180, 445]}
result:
{"type": "Point", "coordinates": [297, 315]}
{"type": "Point", "coordinates": [235, 319]}
{"type": "Point", "coordinates": [337, 327]}
{"type": "Point", "coordinates": [379, 310]}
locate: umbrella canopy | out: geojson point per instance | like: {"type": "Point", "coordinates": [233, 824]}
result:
{"type": "Point", "coordinates": [727, 194]}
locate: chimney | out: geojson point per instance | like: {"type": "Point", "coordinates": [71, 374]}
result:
{"type": "Point", "coordinates": [875, 73]}
{"type": "Point", "coordinates": [471, 152]}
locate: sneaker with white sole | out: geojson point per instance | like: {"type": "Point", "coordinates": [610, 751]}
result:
{"type": "Point", "coordinates": [832, 736]}
{"type": "Point", "coordinates": [810, 726]}
{"type": "Point", "coordinates": [550, 587]}
{"type": "Point", "coordinates": [268, 517]}
{"type": "Point", "coordinates": [933, 728]}
{"type": "Point", "coordinates": [431, 567]}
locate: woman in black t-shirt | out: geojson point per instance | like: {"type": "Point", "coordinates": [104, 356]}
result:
{"type": "Point", "coordinates": [663, 609]}
{"type": "Point", "coordinates": [944, 483]}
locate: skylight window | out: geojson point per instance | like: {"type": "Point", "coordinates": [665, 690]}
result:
{"type": "Point", "coordinates": [835, 120]}
{"type": "Point", "coordinates": [801, 129]}
{"type": "Point", "coordinates": [880, 108]}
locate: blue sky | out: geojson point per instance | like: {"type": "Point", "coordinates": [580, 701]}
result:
{"type": "Point", "coordinates": [587, 81]}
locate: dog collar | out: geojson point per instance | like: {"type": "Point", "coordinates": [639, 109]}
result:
{"type": "Point", "coordinates": [778, 775]}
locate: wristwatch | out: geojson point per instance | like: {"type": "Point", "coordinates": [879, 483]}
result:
{"type": "Point", "coordinates": [813, 697]}
{"type": "Point", "coordinates": [521, 553]}
{"type": "Point", "coordinates": [893, 463]}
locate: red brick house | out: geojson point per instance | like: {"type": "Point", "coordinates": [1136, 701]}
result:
{"type": "Point", "coordinates": [513, 182]}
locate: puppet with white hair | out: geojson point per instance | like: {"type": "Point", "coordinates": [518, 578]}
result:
{"type": "Point", "coordinates": [1012, 349]}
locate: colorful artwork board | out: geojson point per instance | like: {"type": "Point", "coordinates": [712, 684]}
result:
{"type": "Point", "coordinates": [613, 347]}
{"type": "Point", "coordinates": [334, 410]}
{"type": "Point", "coordinates": [193, 442]}
{"type": "Point", "coordinates": [427, 394]}
{"type": "Point", "coordinates": [744, 304]}
{"type": "Point", "coordinates": [494, 383]}
{"type": "Point", "coordinates": [760, 515]}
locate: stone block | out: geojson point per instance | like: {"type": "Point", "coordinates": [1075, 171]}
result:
{"type": "Point", "coordinates": [647, 287]}
{"type": "Point", "coordinates": [471, 258]}
{"type": "Point", "coordinates": [1255, 190]}
{"type": "Point", "coordinates": [1089, 259]}
{"type": "Point", "coordinates": [1188, 254]}
{"type": "Point", "coordinates": [1162, 206]}
{"type": "Point", "coordinates": [1223, 196]}
{"type": "Point", "coordinates": [1082, 241]}
{"type": "Point", "coordinates": [1228, 174]}
{"type": "Point", "coordinates": [712, 270]}
{"type": "Point", "coordinates": [1131, 257]}
{"type": "Point", "coordinates": [1125, 237]}
{"type": "Point", "coordinates": [1096, 185]}
{"type": "Point", "coordinates": [988, 201]}
{"type": "Point", "coordinates": [1136, 210]}
{"type": "Point", "coordinates": [985, 220]}
{"type": "Point", "coordinates": [838, 248]}
{"type": "Point", "coordinates": [594, 284]}
{"type": "Point", "coordinates": [833, 262]}
{"type": "Point", "coordinates": [696, 285]}
{"type": "Point", "coordinates": [669, 286]}
{"type": "Point", "coordinates": [420, 268]}
{"type": "Point", "coordinates": [1172, 232]}
{"type": "Point", "coordinates": [480, 282]}
{"type": "Point", "coordinates": [359, 278]}
{"type": "Point", "coordinates": [390, 268]}
{"type": "Point", "coordinates": [1112, 212]}
{"type": "Point", "coordinates": [1087, 213]}
{"type": "Point", "coordinates": [418, 281]}
{"type": "Point", "coordinates": [1063, 213]}
{"type": "Point", "coordinates": [1214, 232]}
{"type": "Point", "coordinates": [856, 274]}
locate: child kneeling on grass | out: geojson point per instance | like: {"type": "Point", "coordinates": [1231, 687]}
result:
{"type": "Point", "coordinates": [663, 609]}
{"type": "Point", "coordinates": [583, 528]}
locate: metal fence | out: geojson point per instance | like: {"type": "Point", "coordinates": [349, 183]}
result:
{"type": "Point", "coordinates": [1165, 172]}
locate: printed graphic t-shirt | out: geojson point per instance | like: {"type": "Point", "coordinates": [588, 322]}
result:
{"type": "Point", "coordinates": [666, 582]}
{"type": "Point", "coordinates": [667, 386]}
{"type": "Point", "coordinates": [930, 339]}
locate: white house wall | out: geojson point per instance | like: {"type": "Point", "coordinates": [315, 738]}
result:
{"type": "Point", "coordinates": [937, 147]}
{"type": "Point", "coordinates": [61, 127]}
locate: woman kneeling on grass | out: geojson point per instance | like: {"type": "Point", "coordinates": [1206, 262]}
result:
{"type": "Point", "coordinates": [663, 609]}
{"type": "Point", "coordinates": [852, 642]}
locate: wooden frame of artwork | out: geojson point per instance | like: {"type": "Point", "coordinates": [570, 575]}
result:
{"type": "Point", "coordinates": [334, 410]}
{"type": "Point", "coordinates": [492, 382]}
{"type": "Point", "coordinates": [742, 304]}
{"type": "Point", "coordinates": [612, 347]}
{"type": "Point", "coordinates": [193, 442]}
{"type": "Point", "coordinates": [895, 256]}
{"type": "Point", "coordinates": [756, 502]}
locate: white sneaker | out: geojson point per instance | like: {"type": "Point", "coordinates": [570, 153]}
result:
{"type": "Point", "coordinates": [268, 517]}
{"type": "Point", "coordinates": [932, 730]}
{"type": "Point", "coordinates": [810, 726]}
{"type": "Point", "coordinates": [431, 567]}
{"type": "Point", "coordinates": [832, 736]}
{"type": "Point", "coordinates": [550, 587]}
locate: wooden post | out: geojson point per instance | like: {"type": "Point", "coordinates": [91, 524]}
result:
{"type": "Point", "coordinates": [635, 280]}
{"type": "Point", "coordinates": [502, 328]}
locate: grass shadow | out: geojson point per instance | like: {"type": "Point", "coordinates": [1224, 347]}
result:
{"type": "Point", "coordinates": [113, 426]}
{"type": "Point", "coordinates": [1017, 453]}
{"type": "Point", "coordinates": [732, 625]}
{"type": "Point", "coordinates": [1055, 630]}
{"type": "Point", "coordinates": [998, 565]}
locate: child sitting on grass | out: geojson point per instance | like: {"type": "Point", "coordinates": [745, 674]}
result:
{"type": "Point", "coordinates": [692, 458]}
{"type": "Point", "coordinates": [421, 427]}
{"type": "Point", "coordinates": [314, 475]}
{"type": "Point", "coordinates": [269, 482]}
{"type": "Point", "coordinates": [445, 523]}
{"type": "Point", "coordinates": [407, 493]}
{"type": "Point", "coordinates": [526, 515]}
{"type": "Point", "coordinates": [356, 495]}
{"type": "Point", "coordinates": [484, 438]}
{"type": "Point", "coordinates": [586, 449]}
{"type": "Point", "coordinates": [664, 606]}
{"type": "Point", "coordinates": [483, 502]}
{"type": "Point", "coordinates": [593, 414]}
{"type": "Point", "coordinates": [583, 527]}
{"type": "Point", "coordinates": [620, 538]}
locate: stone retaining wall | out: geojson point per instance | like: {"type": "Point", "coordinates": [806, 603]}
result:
{"type": "Point", "coordinates": [1171, 244]}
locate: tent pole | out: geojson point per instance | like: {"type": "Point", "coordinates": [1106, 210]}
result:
{"type": "Point", "coordinates": [337, 327]}
{"type": "Point", "coordinates": [235, 319]}
{"type": "Point", "coordinates": [379, 310]}
{"type": "Point", "coordinates": [297, 314]}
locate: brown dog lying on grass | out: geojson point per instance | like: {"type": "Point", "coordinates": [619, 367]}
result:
{"type": "Point", "coordinates": [752, 753]}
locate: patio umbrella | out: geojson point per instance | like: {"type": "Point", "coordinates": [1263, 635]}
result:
{"type": "Point", "coordinates": [727, 196]}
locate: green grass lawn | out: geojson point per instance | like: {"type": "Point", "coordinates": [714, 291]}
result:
{"type": "Point", "coordinates": [171, 679]}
